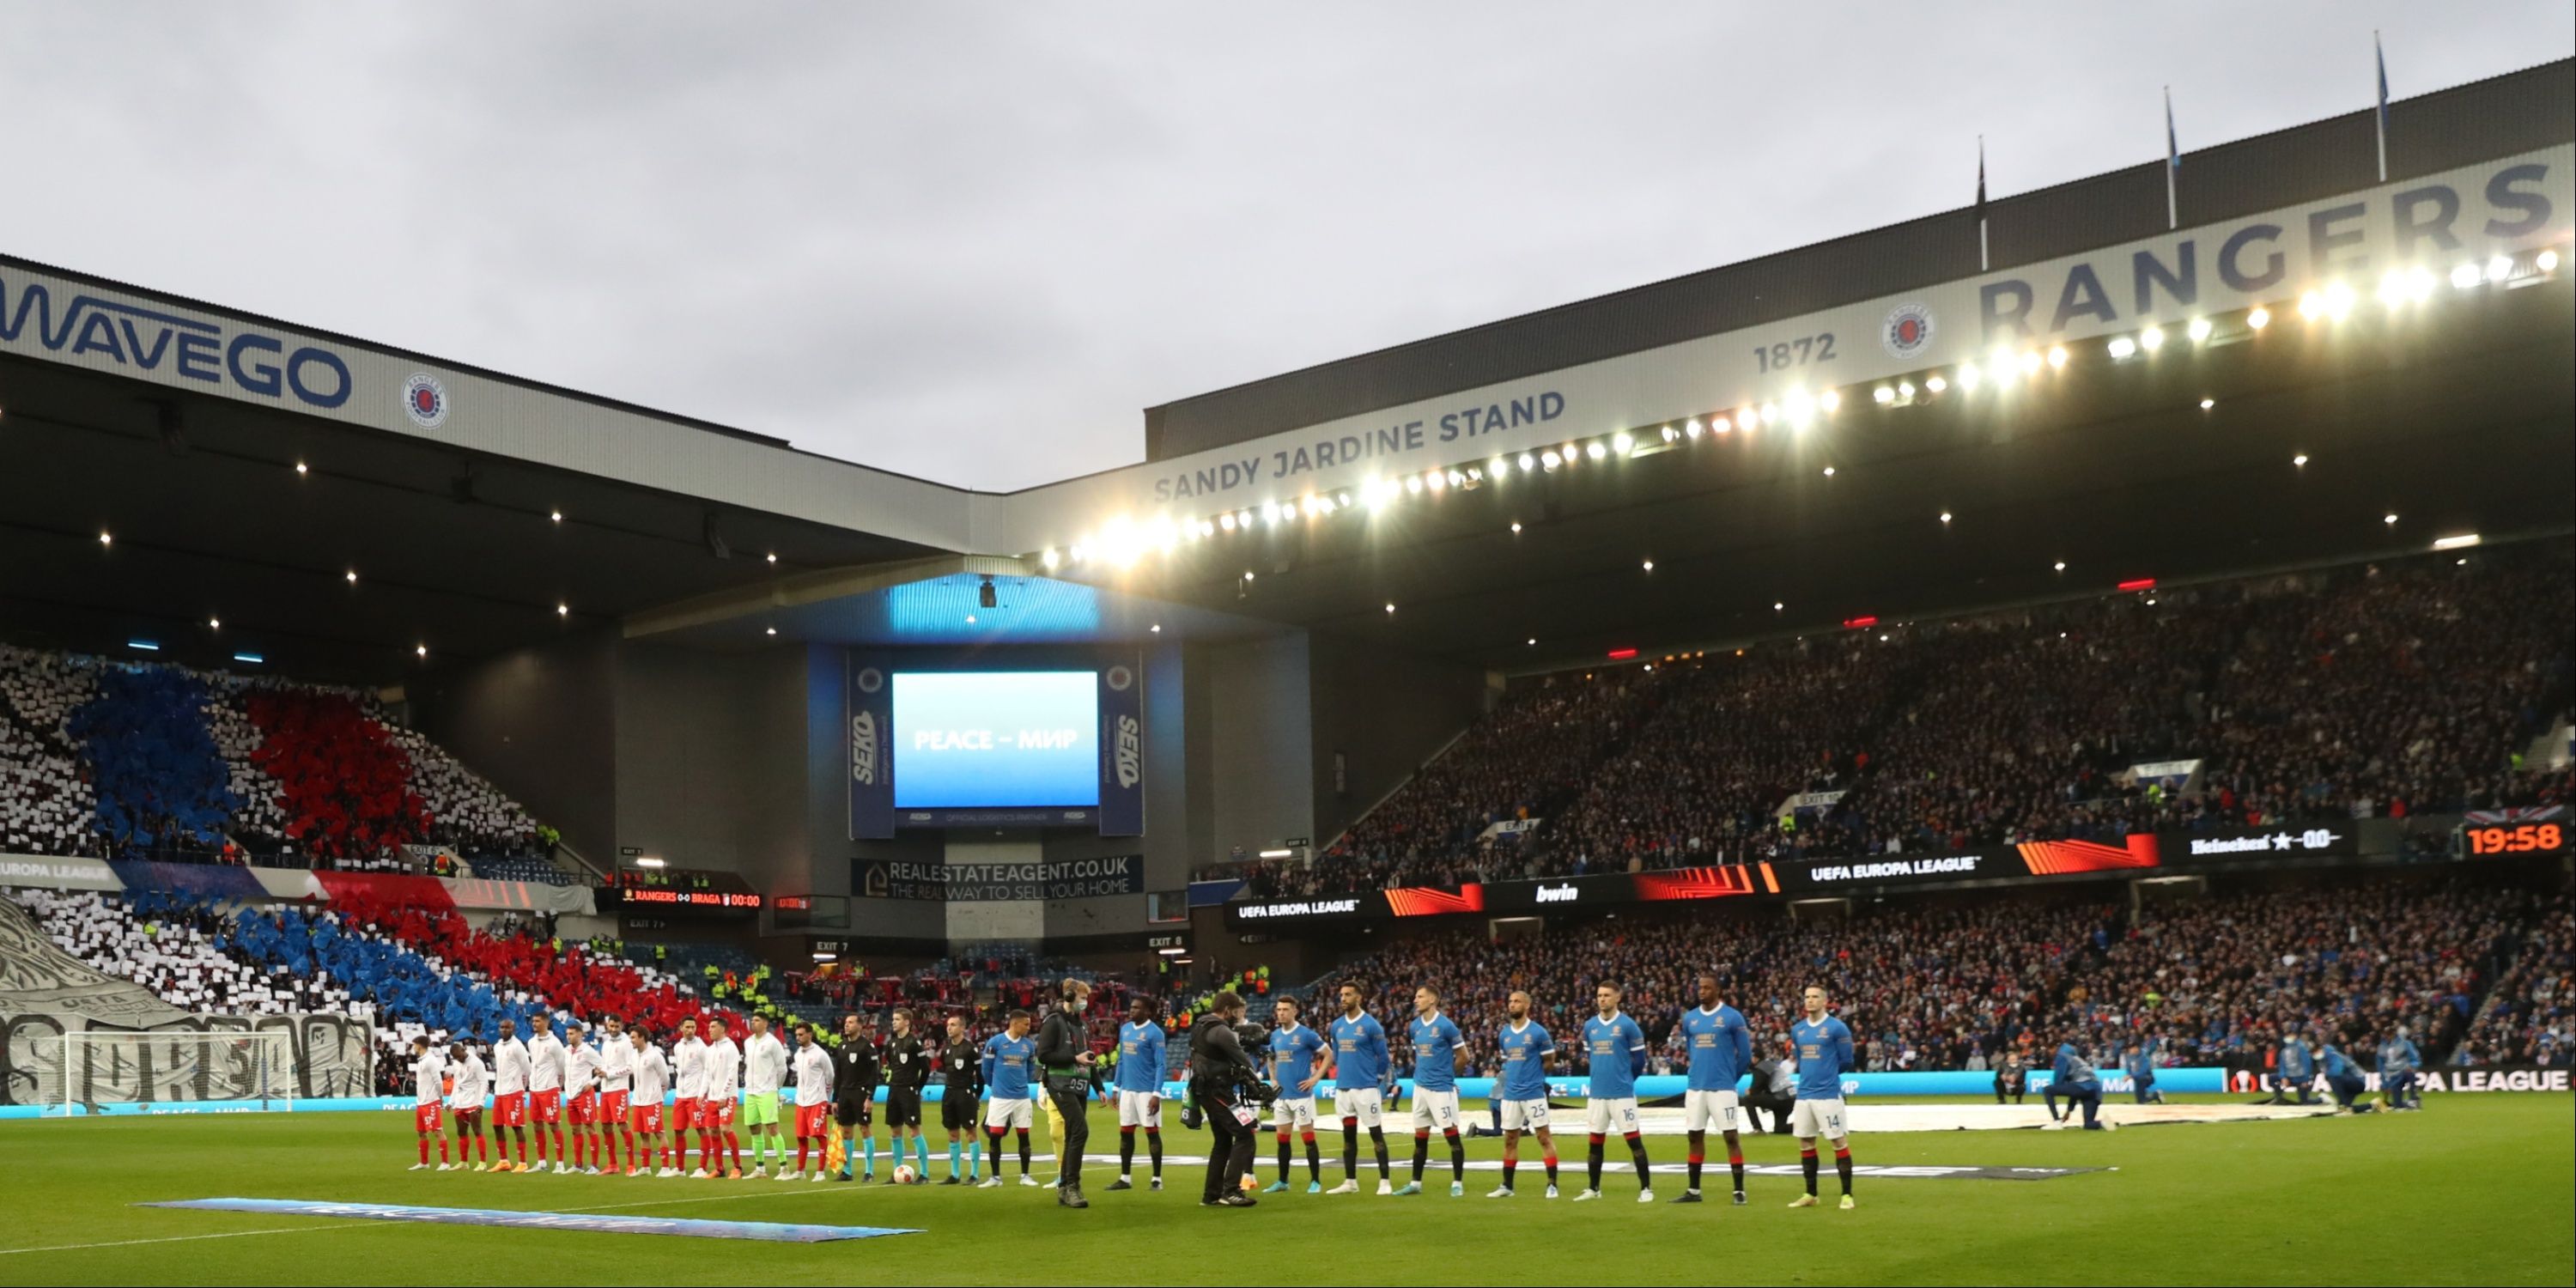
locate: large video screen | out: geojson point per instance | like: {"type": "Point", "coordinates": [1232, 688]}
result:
{"type": "Point", "coordinates": [996, 739]}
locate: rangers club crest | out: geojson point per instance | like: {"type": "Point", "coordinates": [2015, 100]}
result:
{"type": "Point", "coordinates": [871, 680]}
{"type": "Point", "coordinates": [425, 400]}
{"type": "Point", "coordinates": [1908, 331]}
{"type": "Point", "coordinates": [1119, 678]}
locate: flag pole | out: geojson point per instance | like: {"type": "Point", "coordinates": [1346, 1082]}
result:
{"type": "Point", "coordinates": [2173, 165]}
{"type": "Point", "coordinates": [1984, 263]}
{"type": "Point", "coordinates": [2380, 56]}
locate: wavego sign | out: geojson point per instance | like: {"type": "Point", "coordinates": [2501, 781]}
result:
{"type": "Point", "coordinates": [52, 318]}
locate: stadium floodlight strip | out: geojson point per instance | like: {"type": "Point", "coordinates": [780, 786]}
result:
{"type": "Point", "coordinates": [1122, 541]}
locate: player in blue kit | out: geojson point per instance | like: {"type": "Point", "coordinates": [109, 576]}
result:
{"type": "Point", "coordinates": [1823, 1047]}
{"type": "Point", "coordinates": [1436, 1044]}
{"type": "Point", "coordinates": [1293, 1048]}
{"type": "Point", "coordinates": [1617, 1048]}
{"type": "Point", "coordinates": [1142, 1046]}
{"type": "Point", "coordinates": [1359, 1090]}
{"type": "Point", "coordinates": [1525, 1047]}
{"type": "Point", "coordinates": [1007, 1104]}
{"type": "Point", "coordinates": [1721, 1051]}
{"type": "Point", "coordinates": [2398, 1060]}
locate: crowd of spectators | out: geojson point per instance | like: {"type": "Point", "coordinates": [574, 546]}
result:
{"type": "Point", "coordinates": [119, 759]}
{"type": "Point", "coordinates": [171, 945]}
{"type": "Point", "coordinates": [1963, 982]}
{"type": "Point", "coordinates": [2365, 691]}
{"type": "Point", "coordinates": [2530, 1017]}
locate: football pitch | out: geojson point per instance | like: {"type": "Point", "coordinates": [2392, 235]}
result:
{"type": "Point", "coordinates": [2477, 1189]}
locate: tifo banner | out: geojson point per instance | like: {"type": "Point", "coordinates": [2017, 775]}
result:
{"type": "Point", "coordinates": [56, 1015]}
{"type": "Point", "coordinates": [1122, 747]}
{"type": "Point", "coordinates": [35, 872]}
{"type": "Point", "coordinates": [2176, 777]}
{"type": "Point", "coordinates": [521, 896]}
{"type": "Point", "coordinates": [214, 880]}
{"type": "Point", "coordinates": [426, 893]}
{"type": "Point", "coordinates": [998, 882]}
{"type": "Point", "coordinates": [868, 711]}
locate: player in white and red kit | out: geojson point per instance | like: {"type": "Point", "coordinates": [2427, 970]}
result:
{"type": "Point", "coordinates": [428, 1072]}
{"type": "Point", "coordinates": [719, 1095]}
{"type": "Point", "coordinates": [510, 1096]}
{"type": "Point", "coordinates": [545, 1091]}
{"type": "Point", "coordinates": [468, 1080]}
{"type": "Point", "coordinates": [581, 1097]}
{"type": "Point", "coordinates": [688, 1062]}
{"type": "Point", "coordinates": [616, 1057]}
{"type": "Point", "coordinates": [651, 1076]}
{"type": "Point", "coordinates": [813, 1066]}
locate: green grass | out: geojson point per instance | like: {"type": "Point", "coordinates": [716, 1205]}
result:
{"type": "Point", "coordinates": [2477, 1189]}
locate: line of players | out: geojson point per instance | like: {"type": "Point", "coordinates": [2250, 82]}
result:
{"type": "Point", "coordinates": [611, 1095]}
{"type": "Point", "coordinates": [1352, 1052]}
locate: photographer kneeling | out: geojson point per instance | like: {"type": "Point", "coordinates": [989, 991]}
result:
{"type": "Point", "coordinates": [1225, 1086]}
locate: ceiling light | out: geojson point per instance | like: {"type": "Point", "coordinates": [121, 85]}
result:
{"type": "Point", "coordinates": [1829, 471]}
{"type": "Point", "coordinates": [2061, 565]}
{"type": "Point", "coordinates": [1905, 390]}
{"type": "Point", "coordinates": [1548, 458]}
{"type": "Point", "coordinates": [1621, 443]}
{"type": "Point", "coordinates": [1156, 628]}
{"type": "Point", "coordinates": [773, 556]}
{"type": "Point", "coordinates": [2259, 319]}
{"type": "Point", "coordinates": [2465, 276]}
{"type": "Point", "coordinates": [1533, 641]}
{"type": "Point", "coordinates": [351, 576]}
{"type": "Point", "coordinates": [1390, 608]}
{"type": "Point", "coordinates": [1527, 463]}
{"type": "Point", "coordinates": [217, 623]}
{"type": "Point", "coordinates": [2300, 459]}
{"type": "Point", "coordinates": [2151, 339]}
{"type": "Point", "coordinates": [1595, 450]}
{"type": "Point", "coordinates": [1247, 574]}
{"type": "Point", "coordinates": [1967, 375]}
{"type": "Point", "coordinates": [1413, 483]}
{"type": "Point", "coordinates": [556, 515]}
{"type": "Point", "coordinates": [1719, 424]}
{"type": "Point", "coordinates": [2338, 300]}
{"type": "Point", "coordinates": [105, 539]}
{"type": "Point", "coordinates": [770, 631]}
{"type": "Point", "coordinates": [1692, 428]}
{"type": "Point", "coordinates": [2123, 346]}
{"type": "Point", "coordinates": [2198, 330]}
{"type": "Point", "coordinates": [1498, 467]}
{"type": "Point", "coordinates": [2546, 261]}
{"type": "Point", "coordinates": [1945, 516]}
{"type": "Point", "coordinates": [1516, 528]}
{"type": "Point", "coordinates": [2030, 361]}
{"type": "Point", "coordinates": [1776, 607]}
{"type": "Point", "coordinates": [563, 610]}
{"type": "Point", "coordinates": [299, 467]}
{"type": "Point", "coordinates": [1048, 558]}
{"type": "Point", "coordinates": [1935, 384]}
{"type": "Point", "coordinates": [2057, 356]}
{"type": "Point", "coordinates": [2207, 403]}
{"type": "Point", "coordinates": [2390, 519]}
{"type": "Point", "coordinates": [2312, 304]}
{"type": "Point", "coordinates": [1650, 565]}
{"type": "Point", "coordinates": [1830, 399]}
{"type": "Point", "coordinates": [1882, 395]}
{"type": "Point", "coordinates": [420, 650]}
{"type": "Point", "coordinates": [2458, 542]}
{"type": "Point", "coordinates": [2499, 269]}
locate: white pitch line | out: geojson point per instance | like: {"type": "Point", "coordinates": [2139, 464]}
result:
{"type": "Point", "coordinates": [343, 1224]}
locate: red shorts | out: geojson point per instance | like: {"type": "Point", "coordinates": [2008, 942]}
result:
{"type": "Point", "coordinates": [585, 1109]}
{"type": "Point", "coordinates": [684, 1113]}
{"type": "Point", "coordinates": [424, 1118]}
{"type": "Point", "coordinates": [646, 1120]}
{"type": "Point", "coordinates": [510, 1109]}
{"type": "Point", "coordinates": [813, 1121]}
{"type": "Point", "coordinates": [612, 1106]}
{"type": "Point", "coordinates": [549, 1105]}
{"type": "Point", "coordinates": [715, 1115]}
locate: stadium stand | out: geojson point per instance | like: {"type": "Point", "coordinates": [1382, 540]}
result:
{"type": "Point", "coordinates": [1957, 983]}
{"type": "Point", "coordinates": [121, 758]}
{"type": "Point", "coordinates": [2364, 691]}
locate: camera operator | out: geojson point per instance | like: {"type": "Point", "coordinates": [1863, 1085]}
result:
{"type": "Point", "coordinates": [1225, 1085]}
{"type": "Point", "coordinates": [1064, 1051]}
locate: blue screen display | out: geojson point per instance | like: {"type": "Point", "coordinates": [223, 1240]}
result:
{"type": "Point", "coordinates": [990, 739]}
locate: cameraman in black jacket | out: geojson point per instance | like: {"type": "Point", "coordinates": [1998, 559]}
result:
{"type": "Point", "coordinates": [1221, 1075]}
{"type": "Point", "coordinates": [1064, 1051]}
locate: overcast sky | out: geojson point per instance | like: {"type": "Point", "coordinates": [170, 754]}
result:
{"type": "Point", "coordinates": [972, 242]}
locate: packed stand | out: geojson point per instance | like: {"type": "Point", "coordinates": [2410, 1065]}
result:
{"type": "Point", "coordinates": [2370, 691]}
{"type": "Point", "coordinates": [144, 760]}
{"type": "Point", "coordinates": [1965, 982]}
{"type": "Point", "coordinates": [172, 946]}
{"type": "Point", "coordinates": [2530, 1017]}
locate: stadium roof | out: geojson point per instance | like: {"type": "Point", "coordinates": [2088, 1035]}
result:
{"type": "Point", "coordinates": [175, 429]}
